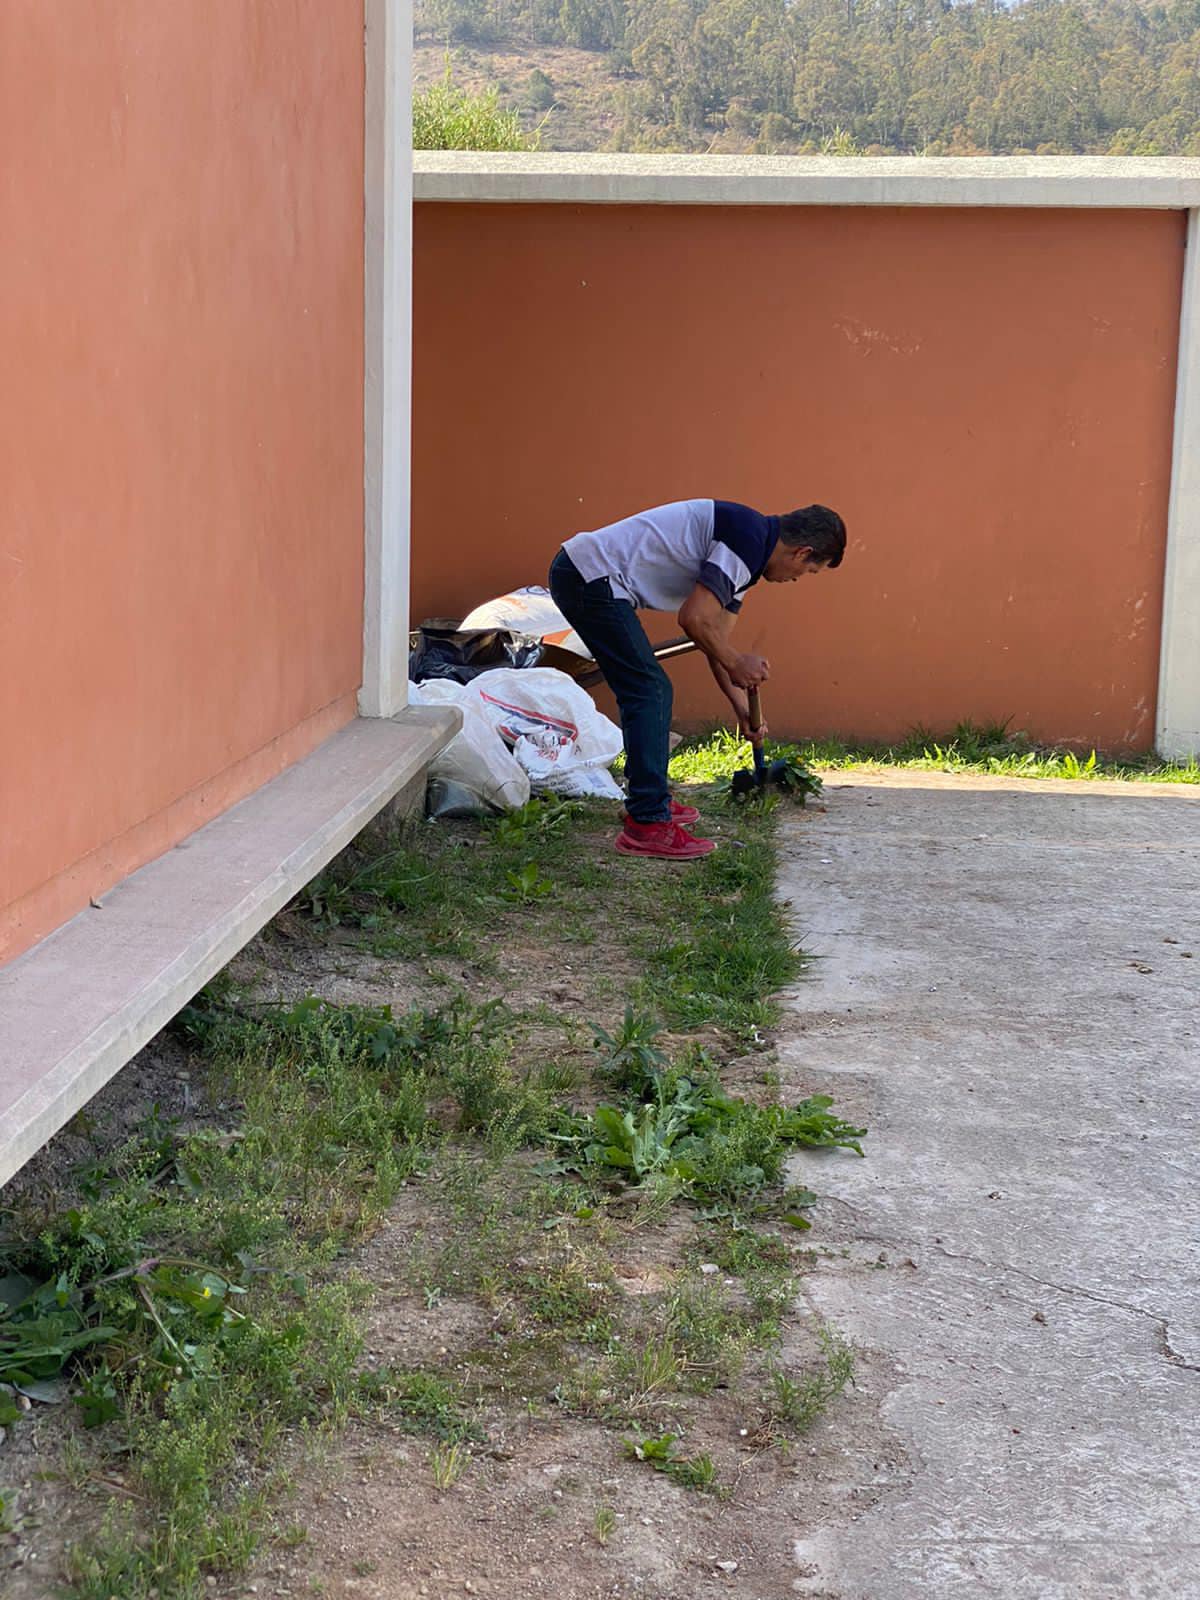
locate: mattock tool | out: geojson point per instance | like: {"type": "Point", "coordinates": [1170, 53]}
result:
{"type": "Point", "coordinates": [745, 782]}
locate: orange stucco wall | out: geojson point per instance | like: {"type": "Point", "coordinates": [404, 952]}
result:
{"type": "Point", "coordinates": [181, 313]}
{"type": "Point", "coordinates": [986, 396]}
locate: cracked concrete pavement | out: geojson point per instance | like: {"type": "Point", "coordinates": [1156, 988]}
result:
{"type": "Point", "coordinates": [1007, 992]}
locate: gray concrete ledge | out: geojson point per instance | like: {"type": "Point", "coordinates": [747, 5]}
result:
{"type": "Point", "coordinates": [1166, 183]}
{"type": "Point", "coordinates": [76, 1007]}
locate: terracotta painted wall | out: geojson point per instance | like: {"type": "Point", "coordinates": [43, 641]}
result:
{"type": "Point", "coordinates": [987, 397]}
{"type": "Point", "coordinates": [181, 310]}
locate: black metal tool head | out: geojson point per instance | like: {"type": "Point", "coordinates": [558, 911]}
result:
{"type": "Point", "coordinates": [750, 781]}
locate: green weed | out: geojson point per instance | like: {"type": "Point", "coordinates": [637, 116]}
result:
{"type": "Point", "coordinates": [796, 1403]}
{"type": "Point", "coordinates": [630, 1056]}
{"type": "Point", "coordinates": [539, 819]}
{"type": "Point", "coordinates": [640, 1376]}
{"type": "Point", "coordinates": [526, 884]}
{"type": "Point", "coordinates": [9, 1518]}
{"type": "Point", "coordinates": [566, 1299]}
{"type": "Point", "coordinates": [420, 1402]}
{"type": "Point", "coordinates": [659, 1452]}
{"type": "Point", "coordinates": [713, 1147]}
{"type": "Point", "coordinates": [449, 1462]}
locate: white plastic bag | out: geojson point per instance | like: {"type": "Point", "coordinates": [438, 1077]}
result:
{"type": "Point", "coordinates": [522, 729]}
{"type": "Point", "coordinates": [553, 728]}
{"type": "Point", "coordinates": [476, 773]}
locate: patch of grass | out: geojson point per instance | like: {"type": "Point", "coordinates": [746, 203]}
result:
{"type": "Point", "coordinates": [658, 1452]}
{"type": "Point", "coordinates": [710, 1332]}
{"type": "Point", "coordinates": [630, 1055]}
{"type": "Point", "coordinates": [193, 1258]}
{"type": "Point", "coordinates": [710, 1146]}
{"type": "Point", "coordinates": [566, 1298]}
{"type": "Point", "coordinates": [603, 1524]}
{"type": "Point", "coordinates": [448, 1462]}
{"type": "Point", "coordinates": [447, 117]}
{"type": "Point", "coordinates": [445, 892]}
{"type": "Point", "coordinates": [987, 747]}
{"type": "Point", "coordinates": [636, 1380]}
{"type": "Point", "coordinates": [729, 952]}
{"type": "Point", "coordinates": [194, 1441]}
{"type": "Point", "coordinates": [738, 1250]}
{"type": "Point", "coordinates": [694, 1472]}
{"type": "Point", "coordinates": [9, 1517]}
{"type": "Point", "coordinates": [794, 1404]}
{"type": "Point", "coordinates": [193, 1266]}
{"type": "Point", "coordinates": [714, 941]}
{"type": "Point", "coordinates": [420, 1402]}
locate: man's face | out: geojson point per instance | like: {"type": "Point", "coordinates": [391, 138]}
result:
{"type": "Point", "coordinates": [786, 564]}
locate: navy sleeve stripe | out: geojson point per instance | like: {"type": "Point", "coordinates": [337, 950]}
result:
{"type": "Point", "coordinates": [745, 531]}
{"type": "Point", "coordinates": [716, 582]}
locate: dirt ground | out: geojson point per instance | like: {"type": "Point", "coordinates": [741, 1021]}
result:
{"type": "Point", "coordinates": [549, 1503]}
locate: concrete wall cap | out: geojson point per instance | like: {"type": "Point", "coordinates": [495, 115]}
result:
{"type": "Point", "coordinates": [1165, 183]}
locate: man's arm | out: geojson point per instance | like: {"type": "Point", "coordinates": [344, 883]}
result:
{"type": "Point", "coordinates": [703, 618]}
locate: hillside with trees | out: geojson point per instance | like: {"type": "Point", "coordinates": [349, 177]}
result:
{"type": "Point", "coordinates": [850, 77]}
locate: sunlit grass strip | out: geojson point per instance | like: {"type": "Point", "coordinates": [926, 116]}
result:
{"type": "Point", "coordinates": [968, 748]}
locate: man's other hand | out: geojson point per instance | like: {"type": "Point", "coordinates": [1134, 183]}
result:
{"type": "Point", "coordinates": [755, 735]}
{"type": "Point", "coordinates": [739, 700]}
{"type": "Point", "coordinates": [748, 671]}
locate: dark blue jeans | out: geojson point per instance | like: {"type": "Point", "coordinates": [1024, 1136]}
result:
{"type": "Point", "coordinates": [612, 632]}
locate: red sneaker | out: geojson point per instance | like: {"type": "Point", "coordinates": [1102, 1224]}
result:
{"type": "Point", "coordinates": [666, 840]}
{"type": "Point", "coordinates": [683, 815]}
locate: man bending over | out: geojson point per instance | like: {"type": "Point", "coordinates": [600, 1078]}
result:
{"type": "Point", "coordinates": [697, 557]}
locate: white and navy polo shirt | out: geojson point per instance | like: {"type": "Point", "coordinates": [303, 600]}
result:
{"type": "Point", "coordinates": [655, 559]}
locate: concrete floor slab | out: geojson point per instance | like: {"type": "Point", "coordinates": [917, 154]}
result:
{"type": "Point", "coordinates": [1008, 992]}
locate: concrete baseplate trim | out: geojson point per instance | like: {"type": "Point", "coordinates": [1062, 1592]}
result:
{"type": "Point", "coordinates": [1067, 181]}
{"type": "Point", "coordinates": [79, 1005]}
{"type": "Point", "coordinates": [1178, 730]}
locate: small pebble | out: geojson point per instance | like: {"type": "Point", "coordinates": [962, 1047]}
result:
{"type": "Point", "coordinates": [726, 1566]}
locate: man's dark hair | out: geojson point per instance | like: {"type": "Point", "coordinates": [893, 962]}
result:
{"type": "Point", "coordinates": [819, 528]}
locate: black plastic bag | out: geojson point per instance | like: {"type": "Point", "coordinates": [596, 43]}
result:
{"type": "Point", "coordinates": [441, 649]}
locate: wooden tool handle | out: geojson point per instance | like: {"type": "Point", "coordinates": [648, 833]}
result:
{"type": "Point", "coordinates": [755, 708]}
